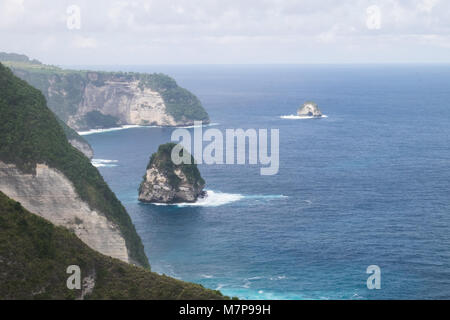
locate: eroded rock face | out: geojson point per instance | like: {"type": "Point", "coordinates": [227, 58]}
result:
{"type": "Point", "coordinates": [83, 147]}
{"type": "Point", "coordinates": [87, 100]}
{"type": "Point", "coordinates": [309, 109]}
{"type": "Point", "coordinates": [165, 182]}
{"type": "Point", "coordinates": [51, 195]}
{"type": "Point", "coordinates": [124, 101]}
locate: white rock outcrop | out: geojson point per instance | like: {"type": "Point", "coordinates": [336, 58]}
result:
{"type": "Point", "coordinates": [83, 147]}
{"type": "Point", "coordinates": [156, 188]}
{"type": "Point", "coordinates": [49, 194]}
{"type": "Point", "coordinates": [309, 109]}
{"type": "Point", "coordinates": [126, 101]}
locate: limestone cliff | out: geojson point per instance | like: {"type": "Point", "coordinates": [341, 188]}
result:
{"type": "Point", "coordinates": [39, 168]}
{"type": "Point", "coordinates": [90, 100]}
{"type": "Point", "coordinates": [165, 182]}
{"type": "Point", "coordinates": [83, 147]}
{"type": "Point", "coordinates": [52, 196]}
{"type": "Point", "coordinates": [77, 141]}
{"type": "Point", "coordinates": [74, 212]}
{"type": "Point", "coordinates": [309, 109]}
{"type": "Point", "coordinates": [124, 101]}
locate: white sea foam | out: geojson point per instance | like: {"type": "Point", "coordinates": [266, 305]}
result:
{"type": "Point", "coordinates": [213, 199]}
{"type": "Point", "coordinates": [266, 196]}
{"type": "Point", "coordinates": [277, 278]}
{"type": "Point", "coordinates": [104, 163]}
{"type": "Point", "coordinates": [204, 125]}
{"type": "Point", "coordinates": [94, 131]}
{"type": "Point", "coordinates": [220, 286]}
{"type": "Point", "coordinates": [216, 199]}
{"type": "Point", "coordinates": [254, 278]}
{"type": "Point", "coordinates": [131, 126]}
{"type": "Point", "coordinates": [295, 117]}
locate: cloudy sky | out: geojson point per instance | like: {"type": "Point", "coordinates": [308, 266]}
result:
{"type": "Point", "coordinates": [226, 31]}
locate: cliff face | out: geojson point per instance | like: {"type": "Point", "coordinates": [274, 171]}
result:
{"type": "Point", "coordinates": [83, 147]}
{"type": "Point", "coordinates": [74, 212]}
{"type": "Point", "coordinates": [124, 101]}
{"type": "Point", "coordinates": [52, 196]}
{"type": "Point", "coordinates": [90, 100]}
{"type": "Point", "coordinates": [158, 189]}
{"type": "Point", "coordinates": [42, 170]}
{"type": "Point", "coordinates": [165, 182]}
{"type": "Point", "coordinates": [77, 141]}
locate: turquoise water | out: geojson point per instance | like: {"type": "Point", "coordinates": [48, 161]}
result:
{"type": "Point", "coordinates": [368, 185]}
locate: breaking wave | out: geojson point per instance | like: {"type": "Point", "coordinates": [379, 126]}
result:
{"type": "Point", "coordinates": [295, 117]}
{"type": "Point", "coordinates": [131, 126]}
{"type": "Point", "coordinates": [193, 126]}
{"type": "Point", "coordinates": [216, 199]}
{"type": "Point", "coordinates": [94, 131]}
{"type": "Point", "coordinates": [104, 163]}
{"type": "Point", "coordinates": [213, 199]}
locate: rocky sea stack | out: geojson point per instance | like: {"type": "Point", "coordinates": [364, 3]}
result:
{"type": "Point", "coordinates": [166, 182]}
{"type": "Point", "coordinates": [309, 109]}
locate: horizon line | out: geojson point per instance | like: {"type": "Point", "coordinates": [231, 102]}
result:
{"type": "Point", "coordinates": [260, 64]}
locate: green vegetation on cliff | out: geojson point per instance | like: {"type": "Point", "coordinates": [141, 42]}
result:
{"type": "Point", "coordinates": [22, 61]}
{"type": "Point", "coordinates": [162, 160]}
{"type": "Point", "coordinates": [96, 119]}
{"type": "Point", "coordinates": [20, 58]}
{"type": "Point", "coordinates": [64, 89]}
{"type": "Point", "coordinates": [35, 254]}
{"type": "Point", "coordinates": [180, 103]}
{"type": "Point", "coordinates": [30, 134]}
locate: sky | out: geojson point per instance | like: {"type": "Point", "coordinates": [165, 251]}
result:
{"type": "Point", "coordinates": [109, 32]}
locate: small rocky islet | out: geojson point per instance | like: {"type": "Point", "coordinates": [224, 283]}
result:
{"type": "Point", "coordinates": [166, 182]}
{"type": "Point", "coordinates": [310, 109]}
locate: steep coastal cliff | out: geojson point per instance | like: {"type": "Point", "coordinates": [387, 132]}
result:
{"type": "Point", "coordinates": [49, 177]}
{"type": "Point", "coordinates": [72, 136]}
{"type": "Point", "coordinates": [77, 141]}
{"type": "Point", "coordinates": [91, 100]}
{"type": "Point", "coordinates": [51, 195]}
{"type": "Point", "coordinates": [34, 256]}
{"type": "Point", "coordinates": [67, 215]}
{"type": "Point", "coordinates": [165, 182]}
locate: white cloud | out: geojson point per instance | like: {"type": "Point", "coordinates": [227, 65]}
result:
{"type": "Point", "coordinates": [195, 31]}
{"type": "Point", "coordinates": [11, 11]}
{"type": "Point", "coordinates": [82, 42]}
{"type": "Point", "coordinates": [427, 5]}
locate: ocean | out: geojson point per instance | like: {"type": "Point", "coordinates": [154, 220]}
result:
{"type": "Point", "coordinates": [368, 185]}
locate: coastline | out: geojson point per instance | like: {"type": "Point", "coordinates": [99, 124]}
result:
{"type": "Point", "coordinates": [132, 126]}
{"type": "Point", "coordinates": [295, 117]}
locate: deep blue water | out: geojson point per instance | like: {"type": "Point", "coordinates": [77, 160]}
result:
{"type": "Point", "coordinates": [368, 185]}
